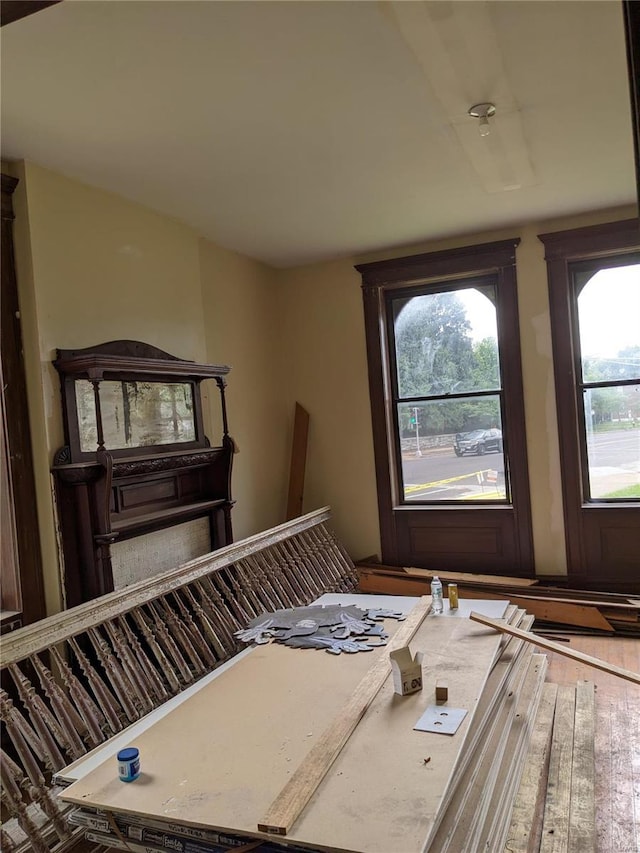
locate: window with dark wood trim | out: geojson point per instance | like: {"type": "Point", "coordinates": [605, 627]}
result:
{"type": "Point", "coordinates": [602, 519]}
{"type": "Point", "coordinates": [22, 584]}
{"type": "Point", "coordinates": [476, 518]}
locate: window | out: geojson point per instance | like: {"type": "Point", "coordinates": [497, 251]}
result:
{"type": "Point", "coordinates": [608, 319]}
{"type": "Point", "coordinates": [594, 291]}
{"type": "Point", "coordinates": [22, 585]}
{"type": "Point", "coordinates": [447, 410]}
{"type": "Point", "coordinates": [448, 392]}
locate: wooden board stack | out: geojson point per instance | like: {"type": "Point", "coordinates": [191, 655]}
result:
{"type": "Point", "coordinates": [388, 788]}
{"type": "Point", "coordinates": [555, 609]}
{"type": "Point", "coordinates": [477, 810]}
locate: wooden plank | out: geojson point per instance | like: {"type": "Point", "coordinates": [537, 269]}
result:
{"type": "Point", "coordinates": [298, 462]}
{"type": "Point", "coordinates": [555, 827]}
{"type": "Point", "coordinates": [624, 629]}
{"type": "Point", "coordinates": [498, 805]}
{"type": "Point", "coordinates": [528, 809]}
{"type": "Point", "coordinates": [582, 817]}
{"type": "Point", "coordinates": [631, 657]}
{"type": "Point", "coordinates": [623, 751]}
{"type": "Point", "coordinates": [599, 597]}
{"type": "Point", "coordinates": [500, 684]}
{"type": "Point", "coordinates": [519, 586]}
{"type": "Point", "coordinates": [617, 739]}
{"type": "Point", "coordinates": [544, 609]}
{"type": "Point", "coordinates": [543, 643]}
{"type": "Point", "coordinates": [549, 610]}
{"type": "Point", "coordinates": [452, 577]}
{"type": "Point", "coordinates": [398, 585]}
{"type": "Point", "coordinates": [467, 827]}
{"type": "Point", "coordinates": [613, 607]}
{"type": "Point", "coordinates": [605, 607]}
{"type": "Point", "coordinates": [462, 577]}
{"type": "Point", "coordinates": [459, 820]}
{"type": "Point", "coordinates": [295, 795]}
{"type": "Point", "coordinates": [619, 615]}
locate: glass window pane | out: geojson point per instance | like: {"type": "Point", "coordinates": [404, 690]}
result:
{"type": "Point", "coordinates": [612, 418]}
{"type": "Point", "coordinates": [609, 320]}
{"type": "Point", "coordinates": [447, 342]}
{"type": "Point", "coordinates": [452, 450]}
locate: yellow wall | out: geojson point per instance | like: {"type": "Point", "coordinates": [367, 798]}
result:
{"type": "Point", "coordinates": [94, 267]}
{"type": "Point", "coordinates": [243, 330]}
{"type": "Point", "coordinates": [325, 346]}
{"type": "Point", "coordinates": [327, 373]}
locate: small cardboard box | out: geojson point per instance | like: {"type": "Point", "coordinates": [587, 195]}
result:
{"type": "Point", "coordinates": [407, 671]}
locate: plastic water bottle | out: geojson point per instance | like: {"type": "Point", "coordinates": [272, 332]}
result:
{"type": "Point", "coordinates": [436, 595]}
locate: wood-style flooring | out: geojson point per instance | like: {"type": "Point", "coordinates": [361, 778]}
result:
{"type": "Point", "coordinates": [617, 736]}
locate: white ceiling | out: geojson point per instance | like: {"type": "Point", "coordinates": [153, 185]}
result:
{"type": "Point", "coordinates": [293, 132]}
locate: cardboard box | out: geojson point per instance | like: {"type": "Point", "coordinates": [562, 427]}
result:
{"type": "Point", "coordinates": [407, 671]}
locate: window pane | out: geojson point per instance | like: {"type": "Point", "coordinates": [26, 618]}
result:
{"type": "Point", "coordinates": [612, 418]}
{"type": "Point", "coordinates": [609, 319]}
{"type": "Point", "coordinates": [447, 342]}
{"type": "Point", "coordinates": [452, 450]}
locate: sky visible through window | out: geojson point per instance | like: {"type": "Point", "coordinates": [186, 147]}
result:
{"type": "Point", "coordinates": [481, 314]}
{"type": "Point", "coordinates": [609, 312]}
{"type": "Point", "coordinates": [609, 321]}
{"type": "Point", "coordinates": [609, 308]}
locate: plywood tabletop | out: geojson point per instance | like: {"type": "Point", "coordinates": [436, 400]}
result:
{"type": "Point", "coordinates": [220, 758]}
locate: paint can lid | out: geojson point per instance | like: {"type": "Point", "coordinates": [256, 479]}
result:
{"type": "Point", "coordinates": [128, 754]}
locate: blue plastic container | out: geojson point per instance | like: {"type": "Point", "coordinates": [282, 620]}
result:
{"type": "Point", "coordinates": [129, 764]}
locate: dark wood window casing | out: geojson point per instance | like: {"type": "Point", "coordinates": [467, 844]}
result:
{"type": "Point", "coordinates": [602, 538]}
{"type": "Point", "coordinates": [474, 537]}
{"type": "Point", "coordinates": [22, 581]}
{"type": "Point", "coordinates": [631, 11]}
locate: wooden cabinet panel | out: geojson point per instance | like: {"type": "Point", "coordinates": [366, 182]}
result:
{"type": "Point", "coordinates": [486, 542]}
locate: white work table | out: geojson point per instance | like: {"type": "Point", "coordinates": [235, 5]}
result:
{"type": "Point", "coordinates": [217, 756]}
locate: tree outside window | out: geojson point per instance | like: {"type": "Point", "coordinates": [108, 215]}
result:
{"type": "Point", "coordinates": [449, 393]}
{"type": "Point", "coordinates": [608, 314]}
{"type": "Point", "coordinates": [447, 409]}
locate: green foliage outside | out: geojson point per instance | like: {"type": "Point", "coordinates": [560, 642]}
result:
{"type": "Point", "coordinates": [627, 492]}
{"type": "Point", "coordinates": [625, 365]}
{"type": "Point", "coordinates": [616, 426]}
{"type": "Point", "coordinates": [622, 403]}
{"type": "Point", "coordinates": [436, 355]}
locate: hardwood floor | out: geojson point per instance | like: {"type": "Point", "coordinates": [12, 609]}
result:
{"type": "Point", "coordinates": [617, 736]}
